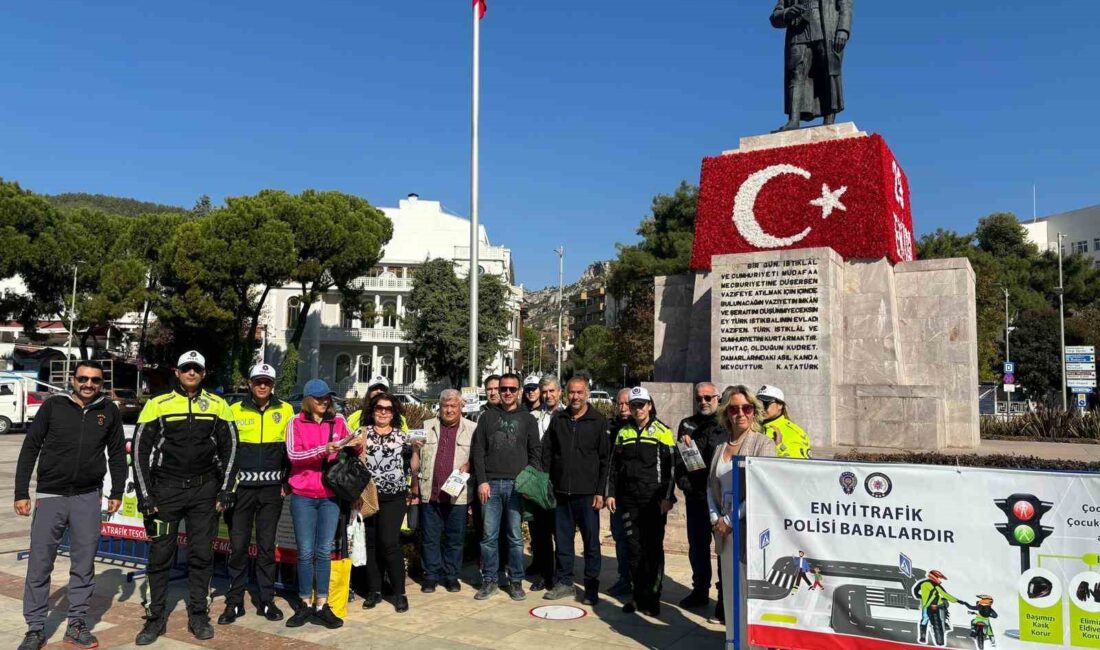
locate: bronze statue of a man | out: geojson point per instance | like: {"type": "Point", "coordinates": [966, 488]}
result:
{"type": "Point", "coordinates": [817, 31]}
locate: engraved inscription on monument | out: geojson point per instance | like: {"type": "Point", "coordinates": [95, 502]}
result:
{"type": "Point", "coordinates": [770, 316]}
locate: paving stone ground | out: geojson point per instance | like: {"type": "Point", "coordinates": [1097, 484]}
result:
{"type": "Point", "coordinates": [439, 620]}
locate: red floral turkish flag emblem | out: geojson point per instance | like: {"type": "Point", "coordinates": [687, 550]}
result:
{"type": "Point", "coordinates": [849, 195]}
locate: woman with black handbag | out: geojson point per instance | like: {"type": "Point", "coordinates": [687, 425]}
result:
{"type": "Point", "coordinates": [386, 445]}
{"type": "Point", "coordinates": [314, 440]}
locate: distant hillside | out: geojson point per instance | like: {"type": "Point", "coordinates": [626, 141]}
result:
{"type": "Point", "coordinates": [110, 204]}
{"type": "Point", "coordinates": [542, 305]}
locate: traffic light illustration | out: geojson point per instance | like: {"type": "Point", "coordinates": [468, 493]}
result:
{"type": "Point", "coordinates": [1024, 527]}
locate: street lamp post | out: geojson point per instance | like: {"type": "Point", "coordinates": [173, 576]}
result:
{"type": "Point", "coordinates": [624, 375]}
{"type": "Point", "coordinates": [561, 305]}
{"type": "Point", "coordinates": [72, 324]}
{"type": "Point", "coordinates": [1062, 318]}
{"type": "Point", "coordinates": [1008, 356]}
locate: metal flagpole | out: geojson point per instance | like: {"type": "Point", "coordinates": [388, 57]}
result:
{"type": "Point", "coordinates": [475, 371]}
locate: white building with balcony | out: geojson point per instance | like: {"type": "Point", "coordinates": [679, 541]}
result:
{"type": "Point", "coordinates": [346, 352]}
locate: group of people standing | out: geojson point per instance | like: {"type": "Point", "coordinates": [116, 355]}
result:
{"type": "Point", "coordinates": [197, 458]}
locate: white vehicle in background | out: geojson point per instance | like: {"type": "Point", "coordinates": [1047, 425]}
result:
{"type": "Point", "coordinates": [598, 396]}
{"type": "Point", "coordinates": [408, 399]}
{"type": "Point", "coordinates": [20, 400]}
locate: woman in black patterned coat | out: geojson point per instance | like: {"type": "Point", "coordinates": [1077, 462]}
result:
{"type": "Point", "coordinates": [386, 449]}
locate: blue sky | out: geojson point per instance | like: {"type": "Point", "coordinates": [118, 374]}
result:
{"type": "Point", "coordinates": [589, 108]}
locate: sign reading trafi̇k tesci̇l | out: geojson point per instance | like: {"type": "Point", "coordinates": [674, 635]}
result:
{"type": "Point", "coordinates": [847, 193]}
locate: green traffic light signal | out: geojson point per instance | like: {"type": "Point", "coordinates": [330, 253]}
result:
{"type": "Point", "coordinates": [1024, 534]}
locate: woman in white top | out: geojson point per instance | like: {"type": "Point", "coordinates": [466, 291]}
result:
{"type": "Point", "coordinates": [739, 414]}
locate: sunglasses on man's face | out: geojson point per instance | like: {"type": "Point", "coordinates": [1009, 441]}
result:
{"type": "Point", "coordinates": [509, 389]}
{"type": "Point", "coordinates": [186, 369]}
{"type": "Point", "coordinates": [86, 379]}
{"type": "Point", "coordinates": [528, 389]}
{"type": "Point", "coordinates": [706, 398]}
{"type": "Point", "coordinates": [267, 383]}
{"type": "Point", "coordinates": [638, 405]}
{"type": "Point", "coordinates": [741, 409]}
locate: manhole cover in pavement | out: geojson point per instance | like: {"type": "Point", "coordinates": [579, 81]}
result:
{"type": "Point", "coordinates": [558, 612]}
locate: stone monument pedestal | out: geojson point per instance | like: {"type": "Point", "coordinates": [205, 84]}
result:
{"type": "Point", "coordinates": [875, 351]}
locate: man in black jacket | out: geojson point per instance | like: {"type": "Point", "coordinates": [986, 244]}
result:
{"type": "Point", "coordinates": [575, 451]}
{"type": "Point", "coordinates": [702, 431]}
{"type": "Point", "coordinates": [185, 463]}
{"type": "Point", "coordinates": [505, 442]}
{"type": "Point", "coordinates": [67, 438]}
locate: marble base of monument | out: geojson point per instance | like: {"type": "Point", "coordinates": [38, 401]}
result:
{"type": "Point", "coordinates": [869, 354]}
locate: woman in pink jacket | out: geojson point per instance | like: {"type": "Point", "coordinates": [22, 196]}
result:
{"type": "Point", "coordinates": [313, 439]}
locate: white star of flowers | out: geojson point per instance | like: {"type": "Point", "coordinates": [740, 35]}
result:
{"type": "Point", "coordinates": [830, 200]}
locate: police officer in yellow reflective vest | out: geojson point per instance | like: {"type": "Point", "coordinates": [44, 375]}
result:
{"type": "Point", "coordinates": [261, 421]}
{"type": "Point", "coordinates": [186, 467]}
{"type": "Point", "coordinates": [640, 485]}
{"type": "Point", "coordinates": [790, 440]}
{"type": "Point", "coordinates": [378, 384]}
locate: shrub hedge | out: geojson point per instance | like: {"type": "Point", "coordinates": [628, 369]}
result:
{"type": "Point", "coordinates": [1045, 424]}
{"type": "Point", "coordinates": [1003, 461]}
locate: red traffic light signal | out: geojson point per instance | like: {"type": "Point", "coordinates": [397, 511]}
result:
{"type": "Point", "coordinates": [1024, 529]}
{"type": "Point", "coordinates": [1023, 510]}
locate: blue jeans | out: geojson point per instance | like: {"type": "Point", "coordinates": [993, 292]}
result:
{"type": "Point", "coordinates": [504, 503]}
{"type": "Point", "coordinates": [622, 548]}
{"type": "Point", "coordinates": [314, 531]}
{"type": "Point", "coordinates": [575, 512]}
{"type": "Point", "coordinates": [443, 527]}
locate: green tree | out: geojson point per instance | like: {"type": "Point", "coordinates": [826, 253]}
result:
{"type": "Point", "coordinates": [1002, 235]}
{"type": "Point", "coordinates": [1036, 349]}
{"type": "Point", "coordinates": [437, 320]}
{"type": "Point", "coordinates": [530, 347]}
{"type": "Point", "coordinates": [22, 215]}
{"type": "Point", "coordinates": [336, 238]}
{"type": "Point", "coordinates": [595, 353]}
{"type": "Point", "coordinates": [665, 249]}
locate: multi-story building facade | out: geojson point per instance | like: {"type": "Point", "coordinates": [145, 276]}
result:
{"type": "Point", "coordinates": [345, 351]}
{"type": "Point", "coordinates": [588, 307]}
{"type": "Point", "coordinates": [1081, 230]}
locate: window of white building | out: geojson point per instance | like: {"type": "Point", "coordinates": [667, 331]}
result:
{"type": "Point", "coordinates": [409, 371]}
{"type": "Point", "coordinates": [389, 314]}
{"type": "Point", "coordinates": [293, 308]}
{"type": "Point", "coordinates": [365, 369]}
{"type": "Point", "coordinates": [342, 367]}
{"type": "Point", "coordinates": [386, 366]}
{"type": "Point", "coordinates": [1080, 247]}
{"type": "Point", "coordinates": [346, 320]}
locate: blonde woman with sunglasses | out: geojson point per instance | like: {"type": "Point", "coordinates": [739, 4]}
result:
{"type": "Point", "coordinates": [739, 415]}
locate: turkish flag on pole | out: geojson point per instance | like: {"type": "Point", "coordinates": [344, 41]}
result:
{"type": "Point", "coordinates": [849, 195]}
{"type": "Point", "coordinates": [480, 4]}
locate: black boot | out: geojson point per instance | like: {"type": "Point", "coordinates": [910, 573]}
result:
{"type": "Point", "coordinates": [591, 592]}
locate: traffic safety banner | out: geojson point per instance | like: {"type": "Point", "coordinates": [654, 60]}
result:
{"type": "Point", "coordinates": [859, 555]}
